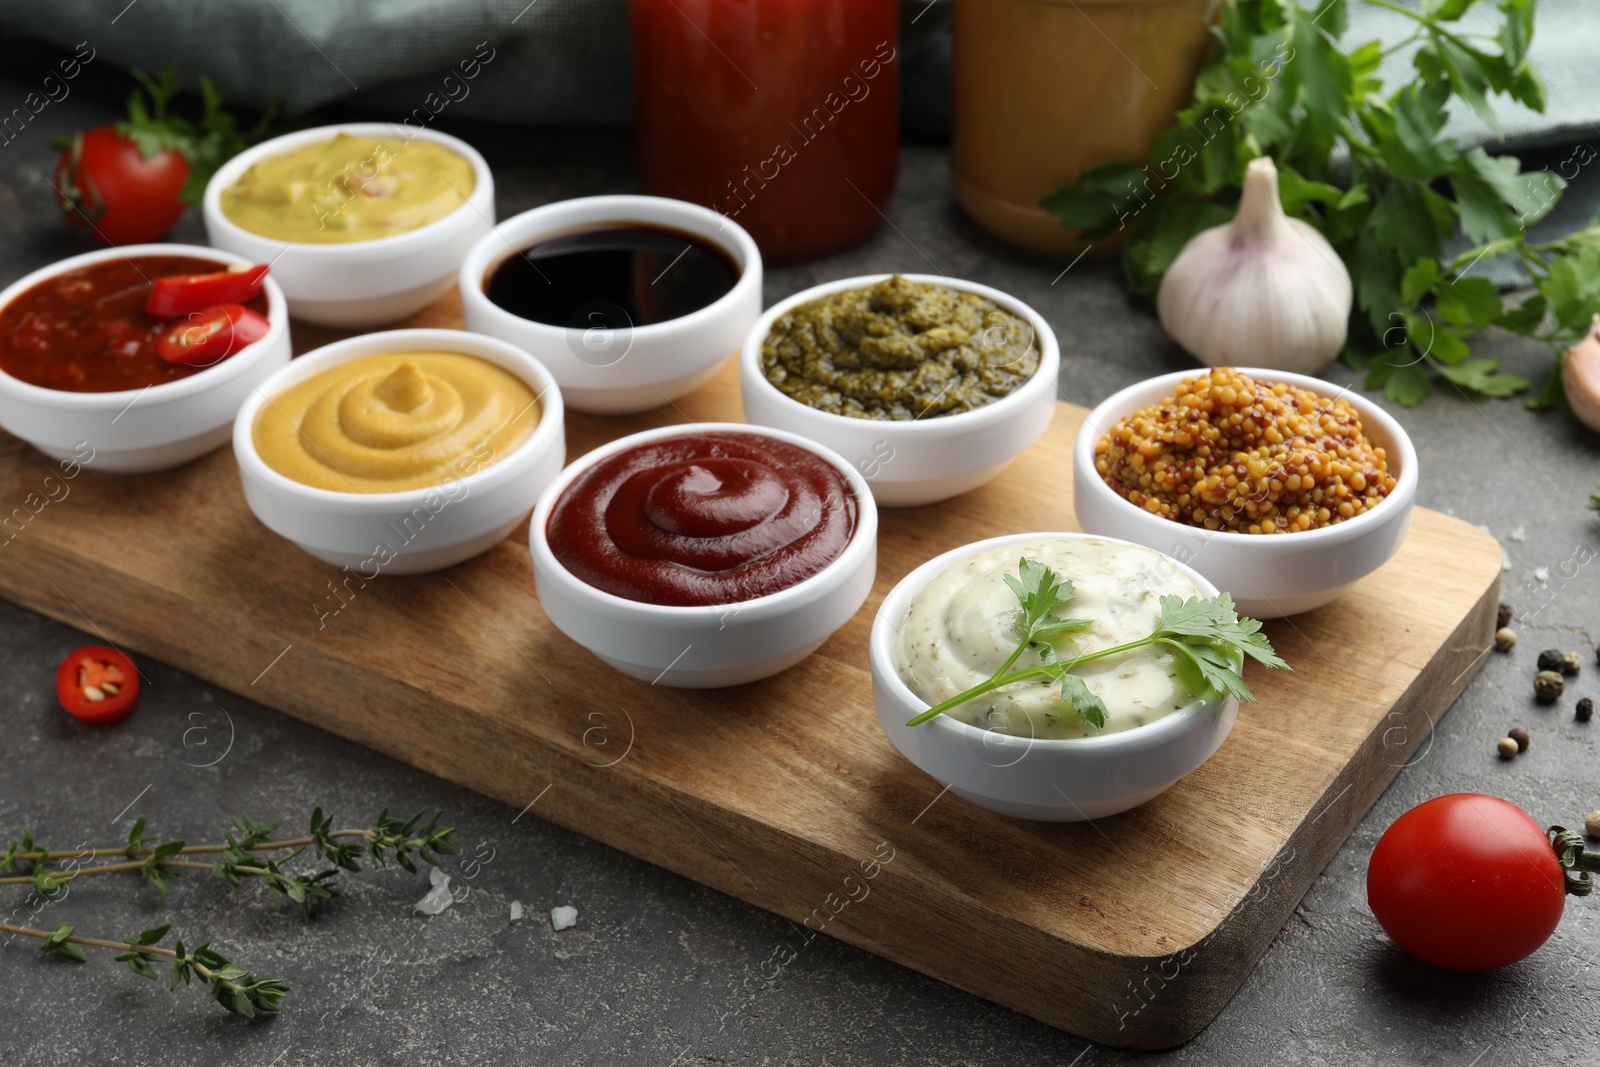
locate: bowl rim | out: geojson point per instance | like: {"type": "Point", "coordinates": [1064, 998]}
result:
{"type": "Point", "coordinates": [551, 423]}
{"type": "Point", "coordinates": [883, 631]}
{"type": "Point", "coordinates": [863, 539]}
{"type": "Point", "coordinates": [1105, 414]}
{"type": "Point", "coordinates": [395, 243]}
{"type": "Point", "coordinates": [512, 236]}
{"type": "Point", "coordinates": [751, 374]}
{"type": "Point", "coordinates": [277, 318]}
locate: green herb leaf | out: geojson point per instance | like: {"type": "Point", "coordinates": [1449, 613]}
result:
{"type": "Point", "coordinates": [1216, 619]}
{"type": "Point", "coordinates": [1085, 705]}
{"type": "Point", "coordinates": [153, 935]}
{"type": "Point", "coordinates": [57, 943]}
{"type": "Point", "coordinates": [1405, 385]}
{"type": "Point", "coordinates": [1550, 394]}
{"type": "Point", "coordinates": [1039, 590]}
{"type": "Point", "coordinates": [1094, 205]}
{"type": "Point", "coordinates": [1481, 376]}
{"type": "Point", "coordinates": [1216, 668]}
{"type": "Point", "coordinates": [1418, 119]}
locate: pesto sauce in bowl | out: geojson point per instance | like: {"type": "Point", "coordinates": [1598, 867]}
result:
{"type": "Point", "coordinates": [899, 350]}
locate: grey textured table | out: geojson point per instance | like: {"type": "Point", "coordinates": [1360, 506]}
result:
{"type": "Point", "coordinates": [655, 972]}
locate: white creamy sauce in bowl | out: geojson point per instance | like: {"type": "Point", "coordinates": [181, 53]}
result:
{"type": "Point", "coordinates": [965, 622]}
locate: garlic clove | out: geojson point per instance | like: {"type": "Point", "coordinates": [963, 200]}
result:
{"type": "Point", "coordinates": [1580, 377]}
{"type": "Point", "coordinates": [1263, 290]}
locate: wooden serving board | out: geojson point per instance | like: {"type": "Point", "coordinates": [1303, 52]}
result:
{"type": "Point", "coordinates": [1134, 930]}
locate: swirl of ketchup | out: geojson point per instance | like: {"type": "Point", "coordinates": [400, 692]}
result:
{"type": "Point", "coordinates": [705, 518]}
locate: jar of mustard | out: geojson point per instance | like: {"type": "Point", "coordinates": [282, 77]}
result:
{"type": "Point", "coordinates": [1046, 89]}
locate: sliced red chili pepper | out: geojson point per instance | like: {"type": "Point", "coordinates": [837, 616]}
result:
{"type": "Point", "coordinates": [97, 684]}
{"type": "Point", "coordinates": [211, 335]}
{"type": "Point", "coordinates": [179, 294]}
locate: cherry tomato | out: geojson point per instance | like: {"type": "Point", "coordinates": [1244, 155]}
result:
{"type": "Point", "coordinates": [179, 294]}
{"type": "Point", "coordinates": [211, 335]}
{"type": "Point", "coordinates": [97, 684]}
{"type": "Point", "coordinates": [1466, 881]}
{"type": "Point", "coordinates": [109, 188]}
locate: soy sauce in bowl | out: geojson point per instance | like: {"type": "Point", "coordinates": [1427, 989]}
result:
{"type": "Point", "coordinates": [613, 276]}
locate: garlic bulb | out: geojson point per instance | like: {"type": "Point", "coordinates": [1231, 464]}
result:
{"type": "Point", "coordinates": [1580, 377]}
{"type": "Point", "coordinates": [1263, 290]}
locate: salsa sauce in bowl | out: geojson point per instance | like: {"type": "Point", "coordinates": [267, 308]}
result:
{"type": "Point", "coordinates": [86, 330]}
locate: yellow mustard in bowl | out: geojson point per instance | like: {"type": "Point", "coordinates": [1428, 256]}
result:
{"type": "Point", "coordinates": [392, 422]}
{"type": "Point", "coordinates": [348, 189]}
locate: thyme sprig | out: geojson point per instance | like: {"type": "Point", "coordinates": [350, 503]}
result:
{"type": "Point", "coordinates": [1208, 632]}
{"type": "Point", "coordinates": [232, 984]}
{"type": "Point", "coordinates": [239, 857]}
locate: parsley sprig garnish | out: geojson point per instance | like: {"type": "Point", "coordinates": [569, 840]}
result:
{"type": "Point", "coordinates": [1207, 632]}
{"type": "Point", "coordinates": [1371, 167]}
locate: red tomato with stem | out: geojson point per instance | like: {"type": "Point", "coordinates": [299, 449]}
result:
{"type": "Point", "coordinates": [97, 684]}
{"type": "Point", "coordinates": [1466, 881]}
{"type": "Point", "coordinates": [107, 186]}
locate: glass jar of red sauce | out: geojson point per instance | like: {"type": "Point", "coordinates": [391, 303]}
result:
{"type": "Point", "coordinates": [781, 114]}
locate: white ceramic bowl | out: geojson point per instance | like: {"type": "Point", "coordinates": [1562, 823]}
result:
{"type": "Point", "coordinates": [606, 371]}
{"type": "Point", "coordinates": [424, 529]}
{"type": "Point", "coordinates": [1268, 576]}
{"type": "Point", "coordinates": [920, 461]}
{"type": "Point", "coordinates": [717, 645]}
{"type": "Point", "coordinates": [363, 283]}
{"type": "Point", "coordinates": [135, 431]}
{"type": "Point", "coordinates": [1049, 779]}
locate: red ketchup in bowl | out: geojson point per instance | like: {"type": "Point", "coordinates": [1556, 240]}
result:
{"type": "Point", "coordinates": [706, 518]}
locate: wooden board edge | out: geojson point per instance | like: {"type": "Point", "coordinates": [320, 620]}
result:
{"type": "Point", "coordinates": [1212, 969]}
{"type": "Point", "coordinates": [1245, 934]}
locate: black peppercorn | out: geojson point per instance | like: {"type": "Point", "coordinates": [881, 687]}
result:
{"type": "Point", "coordinates": [1585, 710]}
{"type": "Point", "coordinates": [1503, 618]}
{"type": "Point", "coordinates": [1520, 736]}
{"type": "Point", "coordinates": [1552, 659]}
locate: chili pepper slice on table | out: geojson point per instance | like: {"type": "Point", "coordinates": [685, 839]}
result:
{"type": "Point", "coordinates": [97, 684]}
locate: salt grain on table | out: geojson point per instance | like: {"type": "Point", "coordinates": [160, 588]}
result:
{"type": "Point", "coordinates": [516, 911]}
{"type": "Point", "coordinates": [563, 917]}
{"type": "Point", "coordinates": [438, 897]}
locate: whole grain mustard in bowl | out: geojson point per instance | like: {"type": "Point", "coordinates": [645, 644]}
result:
{"type": "Point", "coordinates": [1283, 490]}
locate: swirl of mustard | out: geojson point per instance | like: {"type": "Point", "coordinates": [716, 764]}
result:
{"type": "Point", "coordinates": [387, 423]}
